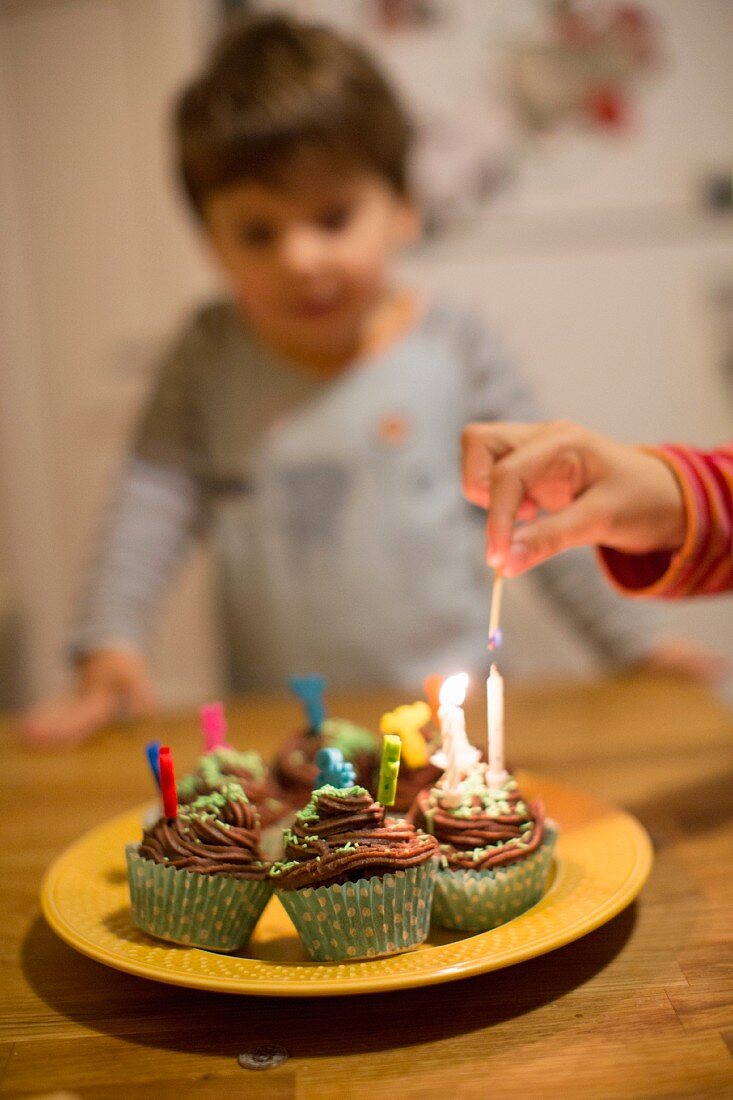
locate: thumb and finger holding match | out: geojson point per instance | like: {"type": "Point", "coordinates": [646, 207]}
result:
{"type": "Point", "coordinates": [517, 470]}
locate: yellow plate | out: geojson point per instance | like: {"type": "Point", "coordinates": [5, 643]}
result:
{"type": "Point", "coordinates": [602, 861]}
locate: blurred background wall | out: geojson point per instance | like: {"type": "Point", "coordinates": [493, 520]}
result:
{"type": "Point", "coordinates": [589, 248]}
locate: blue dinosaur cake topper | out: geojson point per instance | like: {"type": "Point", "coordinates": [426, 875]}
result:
{"type": "Point", "coordinates": [310, 689]}
{"type": "Point", "coordinates": [333, 770]}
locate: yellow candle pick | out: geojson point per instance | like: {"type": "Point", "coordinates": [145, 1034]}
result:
{"type": "Point", "coordinates": [389, 769]}
{"type": "Point", "coordinates": [407, 721]}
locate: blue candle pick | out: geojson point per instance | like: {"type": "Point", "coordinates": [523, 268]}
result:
{"type": "Point", "coordinates": [333, 770]}
{"type": "Point", "coordinates": [309, 690]}
{"type": "Point", "coordinates": [495, 638]}
{"type": "Point", "coordinates": [152, 751]}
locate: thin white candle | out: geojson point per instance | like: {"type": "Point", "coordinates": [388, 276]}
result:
{"type": "Point", "coordinates": [496, 772]}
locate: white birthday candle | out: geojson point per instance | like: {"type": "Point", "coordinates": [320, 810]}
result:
{"type": "Point", "coordinates": [496, 773]}
{"type": "Point", "coordinates": [459, 755]}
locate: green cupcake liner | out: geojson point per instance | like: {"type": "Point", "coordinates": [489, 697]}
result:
{"type": "Point", "coordinates": [216, 912]}
{"type": "Point", "coordinates": [365, 919]}
{"type": "Point", "coordinates": [476, 901]}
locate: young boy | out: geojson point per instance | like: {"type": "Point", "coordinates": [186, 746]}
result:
{"type": "Point", "coordinates": [311, 422]}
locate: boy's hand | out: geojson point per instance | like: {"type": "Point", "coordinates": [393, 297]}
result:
{"type": "Point", "coordinates": [601, 493]}
{"type": "Point", "coordinates": [110, 683]}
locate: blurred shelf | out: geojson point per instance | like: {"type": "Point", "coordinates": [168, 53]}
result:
{"type": "Point", "coordinates": [509, 233]}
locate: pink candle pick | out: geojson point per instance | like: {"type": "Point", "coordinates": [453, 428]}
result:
{"type": "Point", "coordinates": [213, 726]}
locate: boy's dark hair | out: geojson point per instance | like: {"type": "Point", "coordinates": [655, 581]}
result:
{"type": "Point", "coordinates": [274, 85]}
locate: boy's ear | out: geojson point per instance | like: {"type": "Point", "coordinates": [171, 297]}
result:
{"type": "Point", "coordinates": [409, 221]}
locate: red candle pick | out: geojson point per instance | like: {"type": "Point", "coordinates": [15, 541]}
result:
{"type": "Point", "coordinates": [167, 782]}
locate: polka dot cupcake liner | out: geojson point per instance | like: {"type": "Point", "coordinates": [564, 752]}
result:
{"type": "Point", "coordinates": [365, 919]}
{"type": "Point", "coordinates": [215, 912]}
{"type": "Point", "coordinates": [477, 901]}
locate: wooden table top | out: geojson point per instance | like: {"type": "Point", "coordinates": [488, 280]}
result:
{"type": "Point", "coordinates": [642, 1007]}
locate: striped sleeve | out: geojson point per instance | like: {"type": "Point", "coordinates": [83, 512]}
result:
{"type": "Point", "coordinates": [704, 564]}
{"type": "Point", "coordinates": [150, 526]}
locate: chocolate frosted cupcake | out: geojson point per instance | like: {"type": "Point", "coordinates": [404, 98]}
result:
{"type": "Point", "coordinates": [199, 878]}
{"type": "Point", "coordinates": [411, 782]}
{"type": "Point", "coordinates": [295, 765]}
{"type": "Point", "coordinates": [224, 764]}
{"type": "Point", "coordinates": [355, 884]}
{"type": "Point", "coordinates": [495, 851]}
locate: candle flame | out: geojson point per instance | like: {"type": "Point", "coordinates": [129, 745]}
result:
{"type": "Point", "coordinates": [453, 690]}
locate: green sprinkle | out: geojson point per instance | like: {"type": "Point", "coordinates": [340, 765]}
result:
{"type": "Point", "coordinates": [309, 813]}
{"type": "Point", "coordinates": [188, 786]}
{"type": "Point", "coordinates": [224, 760]}
{"type": "Point", "coordinates": [284, 865]}
{"type": "Point", "coordinates": [211, 804]}
{"type": "Point", "coordinates": [351, 739]}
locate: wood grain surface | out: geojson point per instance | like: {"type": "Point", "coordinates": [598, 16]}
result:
{"type": "Point", "coordinates": [643, 1007]}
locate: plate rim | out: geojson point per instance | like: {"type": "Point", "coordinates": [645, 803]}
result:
{"type": "Point", "coordinates": [367, 980]}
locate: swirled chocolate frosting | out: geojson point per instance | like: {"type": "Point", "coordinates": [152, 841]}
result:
{"type": "Point", "coordinates": [411, 781]}
{"type": "Point", "coordinates": [342, 836]}
{"type": "Point", "coordinates": [218, 834]}
{"type": "Point", "coordinates": [221, 765]}
{"type": "Point", "coordinates": [491, 827]}
{"type": "Point", "coordinates": [295, 766]}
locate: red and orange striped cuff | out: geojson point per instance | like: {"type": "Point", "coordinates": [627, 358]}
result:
{"type": "Point", "coordinates": [704, 564]}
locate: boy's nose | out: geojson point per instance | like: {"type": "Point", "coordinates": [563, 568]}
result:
{"type": "Point", "coordinates": [302, 250]}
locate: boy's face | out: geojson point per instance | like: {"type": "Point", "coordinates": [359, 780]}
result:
{"type": "Point", "coordinates": [309, 260]}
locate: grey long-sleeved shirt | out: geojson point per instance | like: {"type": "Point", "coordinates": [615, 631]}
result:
{"type": "Point", "coordinates": [342, 541]}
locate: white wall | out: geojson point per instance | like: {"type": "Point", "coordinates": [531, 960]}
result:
{"type": "Point", "coordinates": [98, 264]}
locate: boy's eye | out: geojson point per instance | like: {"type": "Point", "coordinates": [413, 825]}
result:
{"type": "Point", "coordinates": [335, 217]}
{"type": "Point", "coordinates": [255, 234]}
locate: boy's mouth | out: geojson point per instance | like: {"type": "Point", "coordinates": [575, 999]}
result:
{"type": "Point", "coordinates": [320, 306]}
